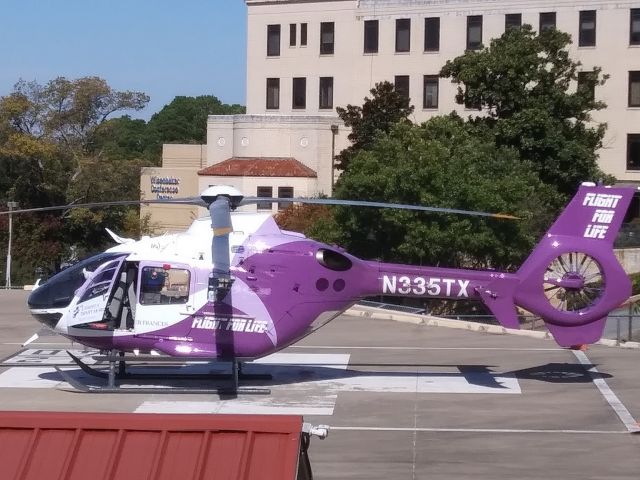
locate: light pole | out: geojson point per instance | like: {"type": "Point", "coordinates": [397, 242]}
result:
{"type": "Point", "coordinates": [334, 132]}
{"type": "Point", "coordinates": [7, 283]}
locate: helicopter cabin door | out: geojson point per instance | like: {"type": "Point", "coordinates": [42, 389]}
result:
{"type": "Point", "coordinates": [93, 299]}
{"type": "Point", "coordinates": [164, 296]}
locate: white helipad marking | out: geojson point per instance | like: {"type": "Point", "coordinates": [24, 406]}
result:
{"type": "Point", "coordinates": [332, 360]}
{"type": "Point", "coordinates": [612, 399]}
{"type": "Point", "coordinates": [310, 384]}
{"type": "Point", "coordinates": [30, 378]}
{"type": "Point", "coordinates": [305, 384]}
{"type": "Point", "coordinates": [238, 407]}
{"type": "Point", "coordinates": [49, 356]}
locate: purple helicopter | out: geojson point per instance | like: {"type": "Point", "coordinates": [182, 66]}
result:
{"type": "Point", "coordinates": [234, 287]}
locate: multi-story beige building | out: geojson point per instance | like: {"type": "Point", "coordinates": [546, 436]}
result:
{"type": "Point", "coordinates": [306, 57]}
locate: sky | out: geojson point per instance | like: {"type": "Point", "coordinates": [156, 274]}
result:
{"type": "Point", "coordinates": [163, 48]}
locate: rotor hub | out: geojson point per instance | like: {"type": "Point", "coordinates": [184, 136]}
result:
{"type": "Point", "coordinates": [210, 194]}
{"type": "Point", "coordinates": [574, 282]}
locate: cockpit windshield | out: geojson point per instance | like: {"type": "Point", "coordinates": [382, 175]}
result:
{"type": "Point", "coordinates": [58, 291]}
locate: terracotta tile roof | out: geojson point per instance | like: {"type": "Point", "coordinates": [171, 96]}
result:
{"type": "Point", "coordinates": [259, 167]}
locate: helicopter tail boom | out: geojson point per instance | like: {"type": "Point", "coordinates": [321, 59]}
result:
{"type": "Point", "coordinates": [572, 279]}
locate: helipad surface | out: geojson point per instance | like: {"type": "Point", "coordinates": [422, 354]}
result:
{"type": "Point", "coordinates": [403, 401]}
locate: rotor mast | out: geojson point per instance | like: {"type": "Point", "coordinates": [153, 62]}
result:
{"type": "Point", "coordinates": [221, 201]}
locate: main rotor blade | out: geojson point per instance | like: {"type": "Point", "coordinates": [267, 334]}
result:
{"type": "Point", "coordinates": [197, 201]}
{"type": "Point", "coordinates": [362, 203]}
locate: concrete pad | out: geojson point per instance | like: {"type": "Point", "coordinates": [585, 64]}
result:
{"type": "Point", "coordinates": [404, 400]}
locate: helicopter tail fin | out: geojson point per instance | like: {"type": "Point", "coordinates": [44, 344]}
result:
{"type": "Point", "coordinates": [572, 279]}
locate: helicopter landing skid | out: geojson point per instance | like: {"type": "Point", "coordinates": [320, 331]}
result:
{"type": "Point", "coordinates": [111, 387]}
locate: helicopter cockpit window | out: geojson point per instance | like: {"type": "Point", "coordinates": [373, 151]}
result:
{"type": "Point", "coordinates": [101, 282]}
{"type": "Point", "coordinates": [162, 287]}
{"type": "Point", "coordinates": [58, 291]}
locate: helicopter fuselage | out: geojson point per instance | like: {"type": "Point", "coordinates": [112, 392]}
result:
{"type": "Point", "coordinates": [154, 294]}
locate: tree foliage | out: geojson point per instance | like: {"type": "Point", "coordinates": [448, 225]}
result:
{"type": "Point", "coordinates": [314, 221]}
{"type": "Point", "coordinates": [525, 84]}
{"type": "Point", "coordinates": [528, 149]}
{"type": "Point", "coordinates": [184, 120]}
{"type": "Point", "coordinates": [47, 157]}
{"type": "Point", "coordinates": [62, 143]}
{"type": "Point", "coordinates": [378, 114]}
{"type": "Point", "coordinates": [66, 110]}
{"type": "Point", "coordinates": [442, 163]}
{"type": "Point", "coordinates": [122, 138]}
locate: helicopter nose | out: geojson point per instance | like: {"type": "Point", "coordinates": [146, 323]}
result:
{"type": "Point", "coordinates": [47, 318]}
{"type": "Point", "coordinates": [47, 306]}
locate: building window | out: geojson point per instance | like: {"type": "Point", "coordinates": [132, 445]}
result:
{"type": "Point", "coordinates": [273, 40]}
{"type": "Point", "coordinates": [512, 20]}
{"type": "Point", "coordinates": [403, 34]}
{"type": "Point", "coordinates": [292, 34]}
{"type": "Point", "coordinates": [587, 34]}
{"type": "Point", "coordinates": [634, 89]}
{"type": "Point", "coordinates": [430, 91]}
{"type": "Point", "coordinates": [326, 93]}
{"type": "Point", "coordinates": [371, 36]}
{"type": "Point", "coordinates": [633, 151]}
{"type": "Point", "coordinates": [326, 38]}
{"type": "Point", "coordinates": [634, 28]}
{"type": "Point", "coordinates": [299, 99]}
{"type": "Point", "coordinates": [432, 34]}
{"type": "Point", "coordinates": [273, 93]}
{"type": "Point", "coordinates": [303, 34]}
{"type": "Point", "coordinates": [474, 32]}
{"type": "Point", "coordinates": [547, 21]}
{"type": "Point", "coordinates": [284, 192]}
{"type": "Point", "coordinates": [264, 192]}
{"type": "Point", "coordinates": [401, 83]}
{"type": "Point", "coordinates": [586, 84]}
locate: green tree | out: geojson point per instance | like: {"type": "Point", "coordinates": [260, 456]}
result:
{"type": "Point", "coordinates": [47, 158]}
{"type": "Point", "coordinates": [124, 138]}
{"type": "Point", "coordinates": [443, 163]}
{"type": "Point", "coordinates": [385, 108]}
{"type": "Point", "coordinates": [184, 120]}
{"type": "Point", "coordinates": [523, 83]}
{"type": "Point", "coordinates": [65, 110]}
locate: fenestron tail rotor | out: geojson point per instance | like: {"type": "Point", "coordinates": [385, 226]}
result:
{"type": "Point", "coordinates": [573, 282]}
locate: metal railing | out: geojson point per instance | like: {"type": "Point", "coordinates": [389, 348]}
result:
{"type": "Point", "coordinates": [391, 306]}
{"type": "Point", "coordinates": [623, 325]}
